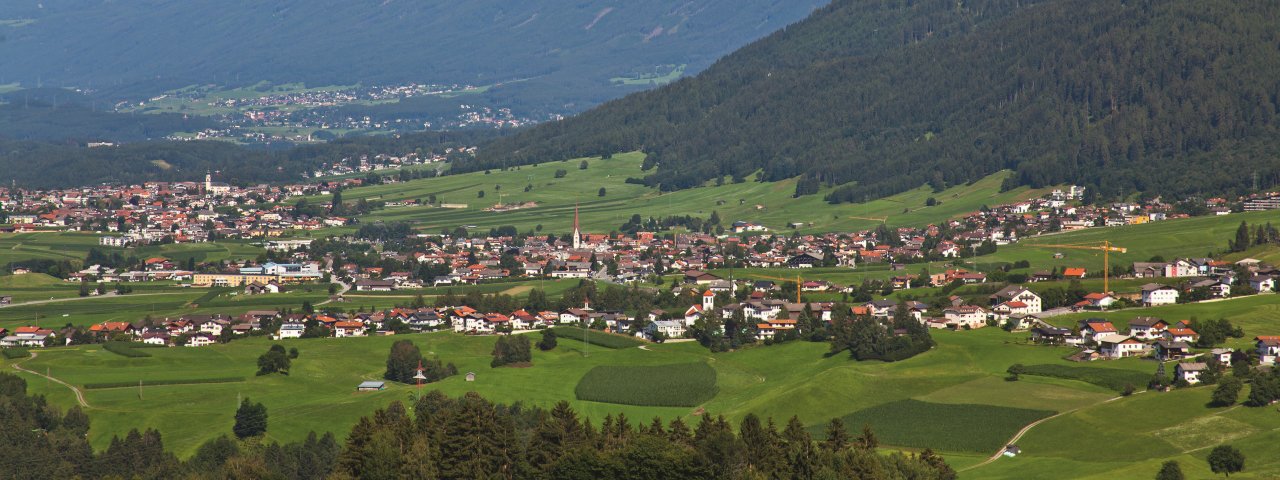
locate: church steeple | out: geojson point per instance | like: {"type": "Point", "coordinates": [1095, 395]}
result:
{"type": "Point", "coordinates": [577, 235]}
{"type": "Point", "coordinates": [208, 181]}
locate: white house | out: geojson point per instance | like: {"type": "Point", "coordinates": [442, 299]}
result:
{"type": "Point", "coordinates": [348, 329]}
{"type": "Point", "coordinates": [1016, 293]}
{"type": "Point", "coordinates": [291, 330]}
{"type": "Point", "coordinates": [963, 316]}
{"type": "Point", "coordinates": [1262, 283]}
{"type": "Point", "coordinates": [201, 340]}
{"type": "Point", "coordinates": [1120, 346]}
{"type": "Point", "coordinates": [668, 328]}
{"type": "Point", "coordinates": [1268, 349]}
{"type": "Point", "coordinates": [1190, 371]}
{"type": "Point", "coordinates": [1156, 294]}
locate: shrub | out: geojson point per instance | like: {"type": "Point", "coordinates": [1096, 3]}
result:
{"type": "Point", "coordinates": [679, 385]}
{"type": "Point", "coordinates": [511, 349]}
{"type": "Point", "coordinates": [548, 341]}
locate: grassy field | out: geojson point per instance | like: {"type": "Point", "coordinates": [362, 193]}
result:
{"type": "Point", "coordinates": [556, 198]}
{"type": "Point", "coordinates": [680, 385]}
{"type": "Point", "coordinates": [949, 427]}
{"type": "Point", "coordinates": [74, 246]}
{"type": "Point", "coordinates": [965, 373]}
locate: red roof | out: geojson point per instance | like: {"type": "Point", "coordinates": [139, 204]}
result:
{"type": "Point", "coordinates": [1073, 272]}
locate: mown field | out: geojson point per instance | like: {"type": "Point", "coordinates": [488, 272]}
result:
{"type": "Point", "coordinates": [679, 385]}
{"type": "Point", "coordinates": [948, 427]}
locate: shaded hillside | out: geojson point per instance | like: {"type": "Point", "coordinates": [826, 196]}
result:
{"type": "Point", "coordinates": [132, 163]}
{"type": "Point", "coordinates": [64, 116]}
{"type": "Point", "coordinates": [1175, 97]}
{"type": "Point", "coordinates": [569, 48]}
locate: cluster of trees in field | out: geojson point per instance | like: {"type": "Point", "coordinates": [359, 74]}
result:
{"type": "Point", "coordinates": [512, 350]}
{"type": "Point", "coordinates": [405, 359]}
{"type": "Point", "coordinates": [443, 438]}
{"type": "Point", "coordinates": [869, 338]}
{"type": "Point", "coordinates": [876, 98]}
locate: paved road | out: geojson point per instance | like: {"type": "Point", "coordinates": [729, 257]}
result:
{"type": "Point", "coordinates": [76, 299]}
{"type": "Point", "coordinates": [79, 394]}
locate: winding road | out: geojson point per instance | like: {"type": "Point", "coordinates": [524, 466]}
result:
{"type": "Point", "coordinates": [1018, 436]}
{"type": "Point", "coordinates": [79, 394]}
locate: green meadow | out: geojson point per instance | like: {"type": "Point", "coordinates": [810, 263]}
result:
{"type": "Point", "coordinates": [771, 204]}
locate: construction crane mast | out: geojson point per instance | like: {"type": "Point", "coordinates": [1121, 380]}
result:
{"type": "Point", "coordinates": [1106, 247]}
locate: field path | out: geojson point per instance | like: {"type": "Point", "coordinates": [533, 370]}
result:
{"type": "Point", "coordinates": [341, 292]}
{"type": "Point", "coordinates": [79, 394]}
{"type": "Point", "coordinates": [74, 299]}
{"type": "Point", "coordinates": [1028, 428]}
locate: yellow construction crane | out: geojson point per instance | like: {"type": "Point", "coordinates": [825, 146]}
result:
{"type": "Point", "coordinates": [1106, 248]}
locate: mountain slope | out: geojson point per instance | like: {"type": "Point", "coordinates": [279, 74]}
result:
{"type": "Point", "coordinates": [570, 47]}
{"type": "Point", "coordinates": [1172, 97]}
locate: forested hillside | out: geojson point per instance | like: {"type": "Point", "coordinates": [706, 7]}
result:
{"type": "Point", "coordinates": [61, 165]}
{"type": "Point", "coordinates": [566, 50]}
{"type": "Point", "coordinates": [1176, 97]}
